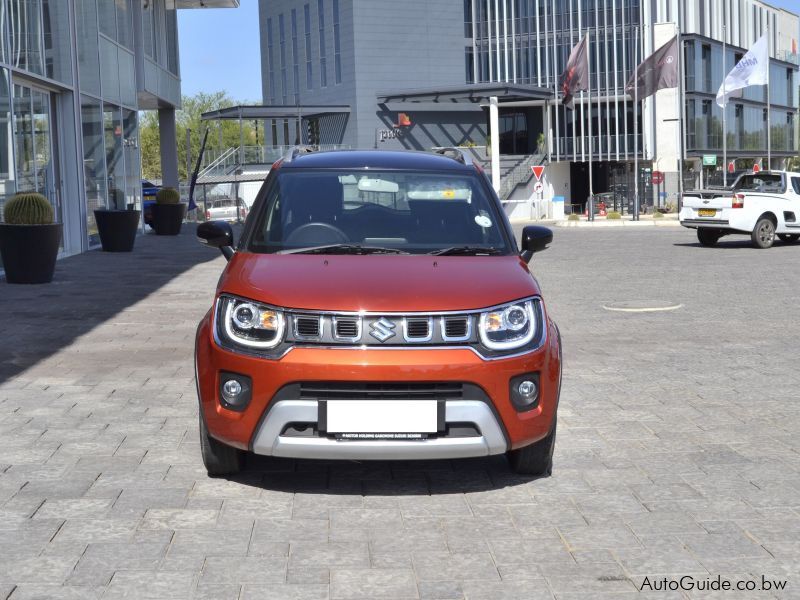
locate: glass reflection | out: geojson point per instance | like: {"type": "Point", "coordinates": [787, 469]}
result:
{"type": "Point", "coordinates": [93, 162]}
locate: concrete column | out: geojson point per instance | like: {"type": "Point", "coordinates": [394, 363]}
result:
{"type": "Point", "coordinates": [169, 147]}
{"type": "Point", "coordinates": [494, 136]}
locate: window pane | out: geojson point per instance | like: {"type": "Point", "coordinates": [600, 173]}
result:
{"type": "Point", "coordinates": [88, 51]}
{"type": "Point", "coordinates": [109, 70]}
{"type": "Point", "coordinates": [57, 46]}
{"type": "Point", "coordinates": [23, 140]}
{"type": "Point", "coordinates": [112, 128]}
{"type": "Point", "coordinates": [133, 170]}
{"type": "Point", "coordinates": [124, 23]}
{"type": "Point", "coordinates": [27, 37]}
{"type": "Point", "coordinates": [94, 168]}
{"type": "Point", "coordinates": [7, 187]}
{"type": "Point", "coordinates": [107, 13]}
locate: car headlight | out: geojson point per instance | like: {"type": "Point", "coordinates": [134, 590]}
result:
{"type": "Point", "coordinates": [249, 324]}
{"type": "Point", "coordinates": [509, 326]}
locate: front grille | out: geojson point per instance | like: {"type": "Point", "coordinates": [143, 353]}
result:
{"type": "Point", "coordinates": [347, 328]}
{"type": "Point", "coordinates": [336, 390]}
{"type": "Point", "coordinates": [308, 326]}
{"type": "Point", "coordinates": [418, 329]}
{"type": "Point", "coordinates": [457, 327]}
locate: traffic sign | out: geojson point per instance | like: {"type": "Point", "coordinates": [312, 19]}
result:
{"type": "Point", "coordinates": [709, 160]}
{"type": "Point", "coordinates": [538, 170]}
{"type": "Point", "coordinates": [538, 187]}
{"type": "Point", "coordinates": [657, 177]}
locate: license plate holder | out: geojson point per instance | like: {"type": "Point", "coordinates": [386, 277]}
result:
{"type": "Point", "coordinates": [707, 212]}
{"type": "Point", "coordinates": [381, 419]}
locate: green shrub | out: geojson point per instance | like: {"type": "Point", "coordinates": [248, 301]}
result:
{"type": "Point", "coordinates": [658, 215]}
{"type": "Point", "coordinates": [573, 217]}
{"type": "Point", "coordinates": [168, 195]}
{"type": "Point", "coordinates": [613, 215]}
{"type": "Point", "coordinates": [28, 208]}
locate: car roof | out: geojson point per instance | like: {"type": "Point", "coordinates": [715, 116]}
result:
{"type": "Point", "coordinates": [376, 159]}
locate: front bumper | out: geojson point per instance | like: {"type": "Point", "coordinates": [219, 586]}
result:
{"type": "Point", "coordinates": [269, 441]}
{"type": "Point", "coordinates": [261, 427]}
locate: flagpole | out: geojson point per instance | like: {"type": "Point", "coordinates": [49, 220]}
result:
{"type": "Point", "coordinates": [636, 131]}
{"type": "Point", "coordinates": [589, 93]}
{"type": "Point", "coordinates": [725, 102]}
{"type": "Point", "coordinates": [769, 108]}
{"type": "Point", "coordinates": [678, 97]}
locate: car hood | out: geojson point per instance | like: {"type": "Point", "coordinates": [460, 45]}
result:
{"type": "Point", "coordinates": [378, 283]}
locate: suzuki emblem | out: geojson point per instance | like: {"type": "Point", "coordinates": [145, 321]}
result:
{"type": "Point", "coordinates": [382, 329]}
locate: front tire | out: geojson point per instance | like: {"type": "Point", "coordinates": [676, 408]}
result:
{"type": "Point", "coordinates": [218, 458]}
{"type": "Point", "coordinates": [789, 238]}
{"type": "Point", "coordinates": [708, 237]}
{"type": "Point", "coordinates": [536, 459]}
{"type": "Point", "coordinates": [763, 235]}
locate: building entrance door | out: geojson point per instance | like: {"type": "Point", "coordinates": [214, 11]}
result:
{"type": "Point", "coordinates": [34, 157]}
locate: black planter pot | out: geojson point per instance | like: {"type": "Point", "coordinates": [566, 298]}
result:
{"type": "Point", "coordinates": [168, 218]}
{"type": "Point", "coordinates": [117, 229]}
{"type": "Point", "coordinates": [29, 252]}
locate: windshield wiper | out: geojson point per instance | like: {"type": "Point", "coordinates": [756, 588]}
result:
{"type": "Point", "coordinates": [467, 251]}
{"type": "Point", "coordinates": [344, 249]}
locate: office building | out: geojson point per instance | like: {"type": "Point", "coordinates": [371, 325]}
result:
{"type": "Point", "coordinates": [421, 74]}
{"type": "Point", "coordinates": [73, 76]}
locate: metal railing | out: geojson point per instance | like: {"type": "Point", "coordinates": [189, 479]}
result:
{"type": "Point", "coordinates": [521, 173]}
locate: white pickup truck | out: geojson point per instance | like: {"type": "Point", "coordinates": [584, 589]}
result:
{"type": "Point", "coordinates": [762, 205]}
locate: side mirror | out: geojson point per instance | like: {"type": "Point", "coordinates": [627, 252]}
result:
{"type": "Point", "coordinates": [217, 234]}
{"type": "Point", "coordinates": [534, 239]}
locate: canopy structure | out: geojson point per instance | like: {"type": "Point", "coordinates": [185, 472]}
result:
{"type": "Point", "coordinates": [474, 93]}
{"type": "Point", "coordinates": [471, 97]}
{"type": "Point", "coordinates": [286, 111]}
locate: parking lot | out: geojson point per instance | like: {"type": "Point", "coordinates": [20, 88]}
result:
{"type": "Point", "coordinates": [677, 450]}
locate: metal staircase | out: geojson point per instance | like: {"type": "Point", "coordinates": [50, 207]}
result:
{"type": "Point", "coordinates": [517, 173]}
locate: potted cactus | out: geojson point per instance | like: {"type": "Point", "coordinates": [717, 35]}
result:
{"type": "Point", "coordinates": [29, 239]}
{"type": "Point", "coordinates": [168, 212]}
{"type": "Point", "coordinates": [118, 224]}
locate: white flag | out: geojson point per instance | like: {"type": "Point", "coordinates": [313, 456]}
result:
{"type": "Point", "coordinates": [753, 69]}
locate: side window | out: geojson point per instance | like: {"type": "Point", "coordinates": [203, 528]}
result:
{"type": "Point", "coordinates": [796, 184]}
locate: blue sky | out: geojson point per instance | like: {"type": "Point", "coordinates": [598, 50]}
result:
{"type": "Point", "coordinates": [220, 50]}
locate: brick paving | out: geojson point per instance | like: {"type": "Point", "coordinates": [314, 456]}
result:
{"type": "Point", "coordinates": [677, 448]}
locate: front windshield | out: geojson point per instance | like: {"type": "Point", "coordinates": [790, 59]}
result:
{"type": "Point", "coordinates": [402, 211]}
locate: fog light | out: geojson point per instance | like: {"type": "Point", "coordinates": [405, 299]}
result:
{"type": "Point", "coordinates": [235, 391]}
{"type": "Point", "coordinates": [523, 391]}
{"type": "Point", "coordinates": [527, 389]}
{"type": "Point", "coordinates": [232, 388]}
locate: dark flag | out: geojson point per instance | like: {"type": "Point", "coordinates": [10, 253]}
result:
{"type": "Point", "coordinates": [657, 72]}
{"type": "Point", "coordinates": [575, 77]}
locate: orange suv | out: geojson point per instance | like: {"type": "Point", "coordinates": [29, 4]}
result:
{"type": "Point", "coordinates": [377, 306]}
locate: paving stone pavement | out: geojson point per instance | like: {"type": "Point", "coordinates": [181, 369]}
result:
{"type": "Point", "coordinates": [677, 449]}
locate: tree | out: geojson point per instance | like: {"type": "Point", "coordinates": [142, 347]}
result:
{"type": "Point", "coordinates": [189, 118]}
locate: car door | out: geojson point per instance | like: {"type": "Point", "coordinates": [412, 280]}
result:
{"type": "Point", "coordinates": [791, 214]}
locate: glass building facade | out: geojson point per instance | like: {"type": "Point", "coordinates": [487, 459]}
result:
{"type": "Point", "coordinates": [73, 76]}
{"type": "Point", "coordinates": [529, 41]}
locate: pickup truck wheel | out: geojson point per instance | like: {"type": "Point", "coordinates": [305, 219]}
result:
{"type": "Point", "coordinates": [708, 237]}
{"type": "Point", "coordinates": [218, 458]}
{"type": "Point", "coordinates": [788, 237]}
{"type": "Point", "coordinates": [536, 459]}
{"type": "Point", "coordinates": [764, 234]}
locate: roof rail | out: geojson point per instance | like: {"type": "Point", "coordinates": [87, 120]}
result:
{"type": "Point", "coordinates": [459, 154]}
{"type": "Point", "coordinates": [296, 151]}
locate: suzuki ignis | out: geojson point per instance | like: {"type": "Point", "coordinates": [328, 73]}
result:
{"type": "Point", "coordinates": [377, 306]}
